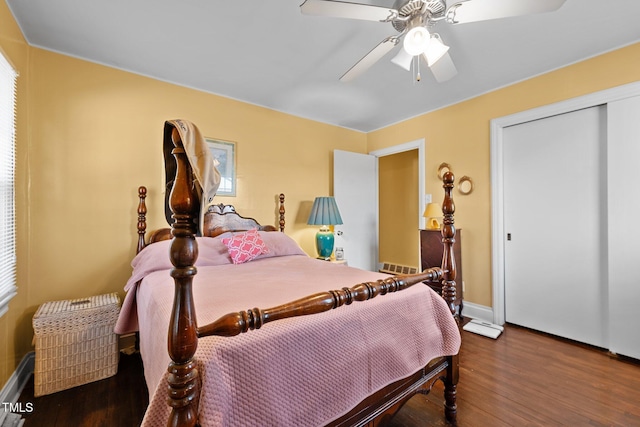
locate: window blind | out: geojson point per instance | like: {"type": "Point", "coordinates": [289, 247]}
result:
{"type": "Point", "coordinates": [8, 77]}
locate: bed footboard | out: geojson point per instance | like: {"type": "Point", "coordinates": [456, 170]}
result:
{"type": "Point", "coordinates": [183, 379]}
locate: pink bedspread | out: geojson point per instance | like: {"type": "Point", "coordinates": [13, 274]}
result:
{"type": "Point", "coordinates": [304, 371]}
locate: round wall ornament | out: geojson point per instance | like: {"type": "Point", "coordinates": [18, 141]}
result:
{"type": "Point", "coordinates": [465, 185]}
{"type": "Point", "coordinates": [442, 169]}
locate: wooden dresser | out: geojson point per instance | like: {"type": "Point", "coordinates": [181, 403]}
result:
{"type": "Point", "coordinates": [431, 256]}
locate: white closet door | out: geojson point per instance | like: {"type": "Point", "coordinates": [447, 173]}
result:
{"type": "Point", "coordinates": [555, 223]}
{"type": "Point", "coordinates": [624, 232]}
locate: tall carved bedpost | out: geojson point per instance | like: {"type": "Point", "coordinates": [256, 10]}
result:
{"type": "Point", "coordinates": [449, 290]}
{"type": "Point", "coordinates": [448, 239]}
{"type": "Point", "coordinates": [183, 341]}
{"type": "Point", "coordinates": [281, 211]}
{"type": "Point", "coordinates": [142, 217]}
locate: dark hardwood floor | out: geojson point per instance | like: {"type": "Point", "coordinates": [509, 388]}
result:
{"type": "Point", "coordinates": [119, 401]}
{"type": "Point", "coordinates": [523, 378]}
{"type": "Point", "coordinates": [526, 378]}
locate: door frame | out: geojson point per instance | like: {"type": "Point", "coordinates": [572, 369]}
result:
{"type": "Point", "coordinates": [418, 144]}
{"type": "Point", "coordinates": [497, 174]}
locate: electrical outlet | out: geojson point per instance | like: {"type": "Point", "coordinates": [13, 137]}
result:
{"type": "Point", "coordinates": [427, 199]}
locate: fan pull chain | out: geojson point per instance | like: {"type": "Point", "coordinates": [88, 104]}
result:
{"type": "Point", "coordinates": [417, 58]}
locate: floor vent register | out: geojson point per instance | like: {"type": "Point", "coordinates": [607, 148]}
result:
{"type": "Point", "coordinates": [483, 328]}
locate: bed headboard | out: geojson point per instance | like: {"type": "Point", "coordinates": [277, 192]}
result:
{"type": "Point", "coordinates": [221, 218]}
{"type": "Point", "coordinates": [218, 219]}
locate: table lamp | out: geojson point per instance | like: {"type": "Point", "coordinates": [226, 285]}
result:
{"type": "Point", "coordinates": [432, 212]}
{"type": "Point", "coordinates": [324, 212]}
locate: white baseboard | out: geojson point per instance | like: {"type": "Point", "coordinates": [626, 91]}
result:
{"type": "Point", "coordinates": [477, 311]}
{"type": "Point", "coordinates": [12, 389]}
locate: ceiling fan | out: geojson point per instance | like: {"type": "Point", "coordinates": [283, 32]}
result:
{"type": "Point", "coordinates": [414, 19]}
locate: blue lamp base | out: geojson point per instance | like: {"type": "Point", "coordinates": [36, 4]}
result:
{"type": "Point", "coordinates": [324, 242]}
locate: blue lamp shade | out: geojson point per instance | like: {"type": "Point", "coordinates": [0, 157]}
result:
{"type": "Point", "coordinates": [324, 212]}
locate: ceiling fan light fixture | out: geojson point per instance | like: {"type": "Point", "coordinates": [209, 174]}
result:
{"type": "Point", "coordinates": [412, 19]}
{"type": "Point", "coordinates": [403, 59]}
{"type": "Point", "coordinates": [435, 50]}
{"type": "Point", "coordinates": [416, 40]}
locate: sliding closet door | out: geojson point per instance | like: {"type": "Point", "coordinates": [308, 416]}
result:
{"type": "Point", "coordinates": [555, 224]}
{"type": "Point", "coordinates": [624, 233]}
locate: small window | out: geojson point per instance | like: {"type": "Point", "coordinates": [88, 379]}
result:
{"type": "Point", "coordinates": [8, 288]}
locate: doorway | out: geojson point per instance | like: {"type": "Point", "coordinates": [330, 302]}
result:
{"type": "Point", "coordinates": [398, 228]}
{"type": "Point", "coordinates": [408, 235]}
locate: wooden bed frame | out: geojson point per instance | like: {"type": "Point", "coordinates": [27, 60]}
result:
{"type": "Point", "coordinates": [183, 379]}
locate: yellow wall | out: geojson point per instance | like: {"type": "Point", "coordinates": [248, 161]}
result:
{"type": "Point", "coordinates": [89, 135]}
{"type": "Point", "coordinates": [460, 136]}
{"type": "Point", "coordinates": [398, 200]}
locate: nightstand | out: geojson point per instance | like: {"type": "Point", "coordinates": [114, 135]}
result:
{"type": "Point", "coordinates": [431, 249]}
{"type": "Point", "coordinates": [338, 261]}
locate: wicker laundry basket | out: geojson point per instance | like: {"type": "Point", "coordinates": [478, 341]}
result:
{"type": "Point", "coordinates": [75, 342]}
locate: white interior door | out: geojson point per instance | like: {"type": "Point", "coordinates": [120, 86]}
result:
{"type": "Point", "coordinates": [555, 218]}
{"type": "Point", "coordinates": [355, 187]}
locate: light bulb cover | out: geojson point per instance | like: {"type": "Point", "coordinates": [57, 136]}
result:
{"type": "Point", "coordinates": [434, 50]}
{"type": "Point", "coordinates": [403, 59]}
{"type": "Point", "coordinates": [416, 40]}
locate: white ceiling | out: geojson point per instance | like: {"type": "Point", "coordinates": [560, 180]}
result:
{"type": "Point", "coordinates": [266, 52]}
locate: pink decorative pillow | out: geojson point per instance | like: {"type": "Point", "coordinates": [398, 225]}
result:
{"type": "Point", "coordinates": [245, 246]}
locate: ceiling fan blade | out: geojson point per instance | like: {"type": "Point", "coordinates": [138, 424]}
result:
{"type": "Point", "coordinates": [444, 69]}
{"type": "Point", "coordinates": [370, 58]}
{"type": "Point", "coordinates": [341, 9]}
{"type": "Point", "coordinates": [482, 10]}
